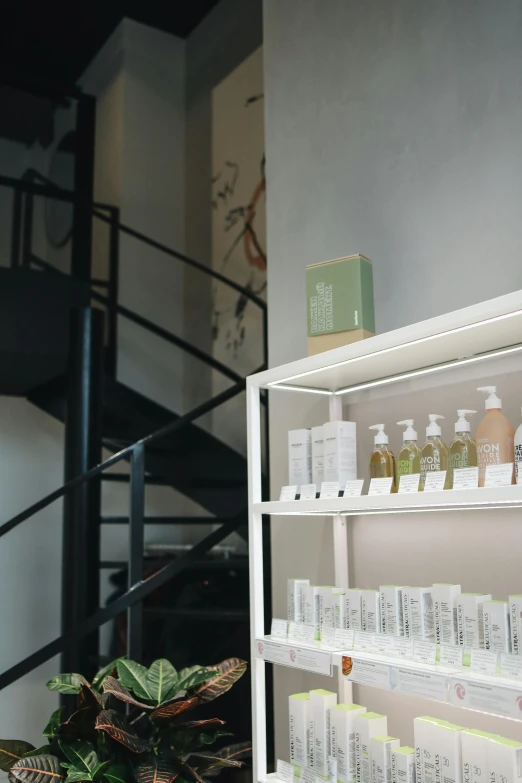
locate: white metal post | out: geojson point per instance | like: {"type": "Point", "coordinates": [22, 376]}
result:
{"type": "Point", "coordinates": [255, 553]}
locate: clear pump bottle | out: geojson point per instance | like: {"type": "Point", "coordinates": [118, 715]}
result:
{"type": "Point", "coordinates": [495, 436]}
{"type": "Point", "coordinates": [408, 459]}
{"type": "Point", "coordinates": [382, 461]}
{"type": "Point", "coordinates": [434, 455]}
{"type": "Point", "coordinates": [463, 449]}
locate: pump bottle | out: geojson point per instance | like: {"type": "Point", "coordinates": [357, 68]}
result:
{"type": "Point", "coordinates": [463, 449]}
{"type": "Point", "coordinates": [434, 455]}
{"type": "Point", "coordinates": [382, 461]}
{"type": "Point", "coordinates": [495, 436]}
{"type": "Point", "coordinates": [408, 460]}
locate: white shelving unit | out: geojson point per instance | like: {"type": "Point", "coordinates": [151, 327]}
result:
{"type": "Point", "coordinates": [452, 344]}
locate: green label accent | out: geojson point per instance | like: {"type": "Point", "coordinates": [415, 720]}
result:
{"type": "Point", "coordinates": [340, 297]}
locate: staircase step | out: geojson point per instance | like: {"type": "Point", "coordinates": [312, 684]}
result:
{"type": "Point", "coordinates": [218, 615]}
{"type": "Point", "coordinates": [167, 520]}
{"type": "Point", "coordinates": [222, 564]}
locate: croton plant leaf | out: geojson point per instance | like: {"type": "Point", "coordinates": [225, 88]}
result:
{"type": "Point", "coordinates": [116, 727]}
{"type": "Point", "coordinates": [155, 770]}
{"type": "Point", "coordinates": [114, 687]}
{"type": "Point", "coordinates": [54, 723]}
{"type": "Point", "coordinates": [116, 773]}
{"type": "Point", "coordinates": [38, 769]}
{"type": "Point", "coordinates": [66, 683]}
{"type": "Point", "coordinates": [134, 677]}
{"type": "Point", "coordinates": [81, 755]}
{"type": "Point", "coordinates": [171, 709]}
{"type": "Point", "coordinates": [12, 751]}
{"type": "Point", "coordinates": [235, 752]}
{"type": "Point", "coordinates": [162, 679]}
{"type": "Point", "coordinates": [227, 674]}
{"type": "Point", "coordinates": [100, 676]}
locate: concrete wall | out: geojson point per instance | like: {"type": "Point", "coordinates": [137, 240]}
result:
{"type": "Point", "coordinates": [391, 130]}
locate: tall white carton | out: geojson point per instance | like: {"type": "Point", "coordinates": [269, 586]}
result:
{"type": "Point", "coordinates": [311, 608]}
{"type": "Point", "coordinates": [381, 748]}
{"type": "Point", "coordinates": [505, 760]}
{"type": "Point", "coordinates": [338, 608]}
{"type": "Point", "coordinates": [515, 610]}
{"type": "Point", "coordinates": [470, 620]}
{"type": "Point", "coordinates": [423, 732]}
{"type": "Point", "coordinates": [318, 456]}
{"type": "Point", "coordinates": [475, 765]}
{"type": "Point", "coordinates": [368, 725]}
{"type": "Point", "coordinates": [418, 613]}
{"type": "Point", "coordinates": [295, 599]}
{"type": "Point", "coordinates": [342, 739]}
{"type": "Point", "coordinates": [321, 702]}
{"type": "Point", "coordinates": [370, 611]}
{"type": "Point", "coordinates": [352, 609]}
{"type": "Point", "coordinates": [299, 712]}
{"type": "Point", "coordinates": [340, 451]}
{"type": "Point", "coordinates": [448, 765]}
{"type": "Point", "coordinates": [392, 622]}
{"type": "Point", "coordinates": [445, 600]}
{"type": "Point", "coordinates": [403, 765]}
{"type": "Point", "coordinates": [497, 633]}
{"type": "Point", "coordinates": [300, 457]}
{"type": "Point", "coordinates": [325, 607]}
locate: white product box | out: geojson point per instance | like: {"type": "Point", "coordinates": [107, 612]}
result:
{"type": "Point", "coordinates": [470, 620]}
{"type": "Point", "coordinates": [445, 602]}
{"type": "Point", "coordinates": [352, 609]}
{"type": "Point", "coordinates": [338, 607]}
{"type": "Point", "coordinates": [505, 760]}
{"type": "Point", "coordinates": [321, 702]}
{"type": "Point", "coordinates": [515, 611]}
{"type": "Point", "coordinates": [342, 739]}
{"type": "Point", "coordinates": [299, 457]}
{"type": "Point", "coordinates": [340, 451]}
{"type": "Point", "coordinates": [403, 765]}
{"type": "Point", "coordinates": [380, 752]}
{"type": "Point", "coordinates": [368, 725]}
{"type": "Point", "coordinates": [497, 632]}
{"type": "Point", "coordinates": [475, 765]}
{"type": "Point", "coordinates": [295, 599]}
{"type": "Point", "coordinates": [448, 762]}
{"type": "Point", "coordinates": [318, 456]}
{"type": "Point", "coordinates": [298, 707]}
{"type": "Point", "coordinates": [370, 611]}
{"type": "Point", "coordinates": [424, 736]}
{"type": "Point", "coordinates": [325, 607]}
{"type": "Point", "coordinates": [418, 613]}
{"type": "Point", "coordinates": [391, 610]}
{"type": "Point", "coordinates": [311, 607]}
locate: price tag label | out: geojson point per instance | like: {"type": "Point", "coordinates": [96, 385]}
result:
{"type": "Point", "coordinates": [289, 492]}
{"type": "Point", "coordinates": [451, 656]}
{"type": "Point", "coordinates": [344, 637]}
{"type": "Point", "coordinates": [424, 652]}
{"type": "Point", "coordinates": [380, 486]}
{"type": "Point", "coordinates": [435, 480]}
{"type": "Point", "coordinates": [285, 771]}
{"type": "Point", "coordinates": [499, 475]}
{"type": "Point", "coordinates": [279, 628]}
{"type": "Point", "coordinates": [409, 483]}
{"type": "Point", "coordinates": [353, 489]}
{"type": "Point", "coordinates": [404, 648]}
{"type": "Point", "coordinates": [329, 489]}
{"type": "Point", "coordinates": [301, 632]}
{"type": "Point", "coordinates": [308, 492]}
{"type": "Point", "coordinates": [307, 775]}
{"type": "Point", "coordinates": [328, 637]}
{"type": "Point", "coordinates": [363, 641]}
{"type": "Point", "coordinates": [465, 478]}
{"type": "Point", "coordinates": [511, 666]}
{"type": "Point", "coordinates": [483, 661]}
{"type": "Point", "coordinates": [388, 645]}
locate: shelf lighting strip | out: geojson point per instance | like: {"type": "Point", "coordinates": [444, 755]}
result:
{"type": "Point", "coordinates": [352, 512]}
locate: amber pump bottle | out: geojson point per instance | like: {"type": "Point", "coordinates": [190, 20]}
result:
{"type": "Point", "coordinates": [495, 436]}
{"type": "Point", "coordinates": [382, 461]}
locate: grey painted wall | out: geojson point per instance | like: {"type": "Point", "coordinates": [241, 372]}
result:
{"type": "Point", "coordinates": [392, 129]}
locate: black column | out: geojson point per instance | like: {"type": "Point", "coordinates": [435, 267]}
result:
{"type": "Point", "coordinates": [81, 523]}
{"type": "Point", "coordinates": [83, 187]}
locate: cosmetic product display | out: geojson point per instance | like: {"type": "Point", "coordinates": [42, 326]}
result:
{"type": "Point", "coordinates": [367, 725]}
{"type": "Point", "coordinates": [470, 620]}
{"type": "Point", "coordinates": [299, 711]}
{"type": "Point", "coordinates": [515, 622]}
{"type": "Point", "coordinates": [505, 760]}
{"type": "Point", "coordinates": [318, 456]}
{"type": "Point", "coordinates": [518, 453]}
{"type": "Point", "coordinates": [495, 435]}
{"type": "Point", "coordinates": [320, 703]}
{"type": "Point", "coordinates": [463, 449]}
{"type": "Point", "coordinates": [370, 611]}
{"type": "Point", "coordinates": [392, 622]}
{"type": "Point", "coordinates": [408, 459]}
{"type": "Point", "coordinates": [382, 461]}
{"type": "Point", "coordinates": [497, 632]}
{"type": "Point", "coordinates": [434, 453]}
{"type": "Point", "coordinates": [445, 605]}
{"type": "Point", "coordinates": [475, 762]}
{"type": "Point", "coordinates": [342, 733]}
{"type": "Point", "coordinates": [295, 599]}
{"type": "Point", "coordinates": [311, 608]}
{"type": "Point", "coordinates": [340, 451]}
{"type": "Point", "coordinates": [300, 457]}
{"type": "Point", "coordinates": [352, 608]}
{"type": "Point", "coordinates": [380, 753]}
{"type": "Point", "coordinates": [418, 613]}
{"type": "Point", "coordinates": [403, 764]}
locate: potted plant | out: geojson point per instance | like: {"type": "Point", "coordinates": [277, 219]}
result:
{"type": "Point", "coordinates": [130, 724]}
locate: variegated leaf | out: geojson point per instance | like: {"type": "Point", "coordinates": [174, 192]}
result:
{"type": "Point", "coordinates": [171, 709]}
{"type": "Point", "coordinates": [227, 674]}
{"type": "Point", "coordinates": [37, 769]}
{"type": "Point", "coordinates": [113, 724]}
{"type": "Point", "coordinates": [134, 677]}
{"type": "Point", "coordinates": [155, 770]}
{"type": "Point", "coordinates": [114, 687]}
{"type": "Point", "coordinates": [12, 751]}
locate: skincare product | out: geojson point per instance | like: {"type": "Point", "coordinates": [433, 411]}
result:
{"type": "Point", "coordinates": [295, 602]}
{"type": "Point", "coordinates": [340, 452]}
{"type": "Point", "coordinates": [475, 766]}
{"type": "Point", "coordinates": [408, 459]}
{"type": "Point", "coordinates": [505, 760]}
{"type": "Point", "coordinates": [495, 436]}
{"type": "Point", "coordinates": [368, 725]}
{"type": "Point", "coordinates": [426, 748]}
{"type": "Point", "coordinates": [381, 748]}
{"type": "Point", "coordinates": [352, 609]}
{"type": "Point", "coordinates": [299, 726]}
{"type": "Point", "coordinates": [515, 622]}
{"type": "Point", "coordinates": [434, 454]}
{"type": "Point", "coordinates": [403, 765]}
{"type": "Point", "coordinates": [338, 606]}
{"type": "Point", "coordinates": [445, 603]}
{"type": "Point", "coordinates": [470, 620]}
{"type": "Point", "coordinates": [311, 608]}
{"type": "Point", "coordinates": [497, 632]}
{"type": "Point", "coordinates": [370, 611]}
{"type": "Point", "coordinates": [391, 610]}
{"type": "Point", "coordinates": [382, 461]}
{"type": "Point", "coordinates": [318, 456]}
{"type": "Point", "coordinates": [321, 702]}
{"type": "Point", "coordinates": [448, 766]}
{"type": "Point", "coordinates": [518, 453]}
{"type": "Point", "coordinates": [463, 449]}
{"type": "Point", "coordinates": [325, 607]}
{"type": "Point", "coordinates": [342, 739]}
{"type": "Point", "coordinates": [299, 457]}
{"type": "Point", "coordinates": [418, 613]}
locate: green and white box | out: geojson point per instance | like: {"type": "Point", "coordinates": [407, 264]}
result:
{"type": "Point", "coordinates": [318, 456]}
{"type": "Point", "coordinates": [403, 765]}
{"type": "Point", "coordinates": [418, 613]}
{"type": "Point", "coordinates": [367, 725]}
{"type": "Point", "coordinates": [342, 739]}
{"type": "Point", "coordinates": [370, 611]}
{"type": "Point", "coordinates": [497, 631]}
{"type": "Point", "coordinates": [424, 732]}
{"type": "Point", "coordinates": [295, 599]}
{"type": "Point", "coordinates": [326, 618]}
{"type": "Point", "coordinates": [475, 764]}
{"type": "Point", "coordinates": [505, 760]}
{"type": "Point", "coordinates": [338, 598]}
{"type": "Point", "coordinates": [339, 302]}
{"type": "Point", "coordinates": [448, 767]}
{"type": "Point", "coordinates": [380, 751]}
{"type": "Point", "coordinates": [515, 610]}
{"type": "Point", "coordinates": [321, 702]}
{"type": "Point", "coordinates": [470, 620]}
{"type": "Point", "coordinates": [299, 457]}
{"type": "Point", "coordinates": [445, 601]}
{"type": "Point", "coordinates": [311, 608]}
{"type": "Point", "coordinates": [298, 707]}
{"type": "Point", "coordinates": [340, 451]}
{"type": "Point", "coordinates": [352, 609]}
{"type": "Point", "coordinates": [392, 622]}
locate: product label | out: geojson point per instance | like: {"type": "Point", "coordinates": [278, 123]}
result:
{"type": "Point", "coordinates": [487, 454]}
{"type": "Point", "coordinates": [307, 775]}
{"type": "Point", "coordinates": [301, 632]}
{"type": "Point", "coordinates": [279, 628]}
{"type": "Point", "coordinates": [328, 638]}
{"type": "Point", "coordinates": [409, 483]}
{"type": "Point", "coordinates": [344, 638]}
{"type": "Point", "coordinates": [466, 478]}
{"type": "Point", "coordinates": [288, 493]}
{"type": "Point", "coordinates": [380, 486]}
{"type": "Point", "coordinates": [511, 666]}
{"type": "Point", "coordinates": [435, 481]}
{"type": "Point", "coordinates": [366, 672]}
{"type": "Point", "coordinates": [483, 661]}
{"type": "Point", "coordinates": [353, 488]}
{"type": "Point", "coordinates": [308, 492]}
{"type": "Point", "coordinates": [499, 475]}
{"type": "Point", "coordinates": [285, 771]}
{"type": "Point", "coordinates": [404, 648]}
{"type": "Point", "coordinates": [422, 683]}
{"type": "Point", "coordinates": [329, 489]}
{"type": "Point", "coordinates": [451, 656]}
{"type": "Point", "coordinates": [424, 652]}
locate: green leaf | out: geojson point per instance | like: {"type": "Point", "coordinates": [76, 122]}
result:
{"type": "Point", "coordinates": [54, 724]}
{"type": "Point", "coordinates": [76, 775]}
{"type": "Point", "coordinates": [206, 763]}
{"type": "Point", "coordinates": [104, 672]}
{"type": "Point", "coordinates": [44, 750]}
{"type": "Point", "coordinates": [99, 768]}
{"type": "Point", "coordinates": [114, 725]}
{"type": "Point", "coordinates": [66, 683]}
{"type": "Point", "coordinates": [116, 773]}
{"type": "Point", "coordinates": [115, 688]}
{"type": "Point", "coordinates": [37, 769]}
{"type": "Point", "coordinates": [155, 770]}
{"type": "Point", "coordinates": [195, 678]}
{"type": "Point", "coordinates": [227, 674]}
{"type": "Point", "coordinates": [195, 724]}
{"type": "Point", "coordinates": [80, 726]}
{"type": "Point", "coordinates": [82, 755]}
{"type": "Point", "coordinates": [162, 678]}
{"type": "Point", "coordinates": [236, 751]}
{"type": "Point", "coordinates": [12, 751]}
{"type": "Point", "coordinates": [184, 741]}
{"type": "Point", "coordinates": [170, 709]}
{"type": "Point", "coordinates": [134, 676]}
